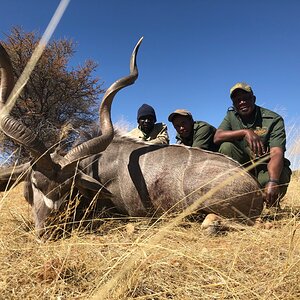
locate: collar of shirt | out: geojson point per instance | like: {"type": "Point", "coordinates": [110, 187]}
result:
{"type": "Point", "coordinates": [248, 125]}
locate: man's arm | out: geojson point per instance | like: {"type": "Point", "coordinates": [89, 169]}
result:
{"type": "Point", "coordinates": [276, 162]}
{"type": "Point", "coordinates": [228, 135]}
{"type": "Point", "coordinates": [275, 167]}
{"type": "Point", "coordinates": [253, 140]}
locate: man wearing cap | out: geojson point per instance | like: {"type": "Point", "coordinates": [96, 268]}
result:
{"type": "Point", "coordinates": [148, 130]}
{"type": "Point", "coordinates": [250, 132]}
{"type": "Point", "coordinates": [192, 133]}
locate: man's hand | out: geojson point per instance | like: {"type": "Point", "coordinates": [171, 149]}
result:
{"type": "Point", "coordinates": [272, 193]}
{"type": "Point", "coordinates": [254, 142]}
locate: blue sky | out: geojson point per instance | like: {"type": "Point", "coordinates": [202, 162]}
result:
{"type": "Point", "coordinates": [192, 53]}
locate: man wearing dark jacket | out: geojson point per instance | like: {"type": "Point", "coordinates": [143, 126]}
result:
{"type": "Point", "coordinates": [148, 130]}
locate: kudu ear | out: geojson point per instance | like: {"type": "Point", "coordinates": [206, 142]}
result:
{"type": "Point", "coordinates": [11, 176]}
{"type": "Point", "coordinates": [87, 184]}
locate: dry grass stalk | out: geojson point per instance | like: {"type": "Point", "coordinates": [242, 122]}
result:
{"type": "Point", "coordinates": [185, 264]}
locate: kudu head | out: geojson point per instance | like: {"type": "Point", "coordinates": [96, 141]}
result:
{"type": "Point", "coordinates": [49, 179]}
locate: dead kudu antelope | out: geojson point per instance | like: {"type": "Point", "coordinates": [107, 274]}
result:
{"type": "Point", "coordinates": [138, 179]}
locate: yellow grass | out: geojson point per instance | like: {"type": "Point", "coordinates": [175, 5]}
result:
{"type": "Point", "coordinates": [123, 259]}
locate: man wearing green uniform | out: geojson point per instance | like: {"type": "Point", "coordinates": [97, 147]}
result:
{"type": "Point", "coordinates": [192, 133]}
{"type": "Point", "coordinates": [249, 132]}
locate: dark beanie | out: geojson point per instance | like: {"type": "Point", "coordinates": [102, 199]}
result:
{"type": "Point", "coordinates": [146, 110]}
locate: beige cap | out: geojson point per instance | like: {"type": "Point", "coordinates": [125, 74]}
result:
{"type": "Point", "coordinates": [181, 112]}
{"type": "Point", "coordinates": [241, 86]}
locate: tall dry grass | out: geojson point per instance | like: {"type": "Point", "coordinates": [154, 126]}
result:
{"type": "Point", "coordinates": [133, 259]}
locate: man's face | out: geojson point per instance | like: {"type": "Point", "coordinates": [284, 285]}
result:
{"type": "Point", "coordinates": [146, 123]}
{"type": "Point", "coordinates": [183, 125]}
{"type": "Point", "coordinates": [243, 102]}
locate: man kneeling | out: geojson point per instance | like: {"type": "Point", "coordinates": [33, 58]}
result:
{"type": "Point", "coordinates": [249, 132]}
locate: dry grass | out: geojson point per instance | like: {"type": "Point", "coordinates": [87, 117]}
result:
{"type": "Point", "coordinates": [140, 259]}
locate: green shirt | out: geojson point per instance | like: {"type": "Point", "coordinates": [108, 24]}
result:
{"type": "Point", "coordinates": [268, 125]}
{"type": "Point", "coordinates": [202, 137]}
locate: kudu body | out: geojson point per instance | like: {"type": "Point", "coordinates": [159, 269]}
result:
{"type": "Point", "coordinates": [137, 178]}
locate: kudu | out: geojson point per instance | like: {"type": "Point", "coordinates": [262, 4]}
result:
{"type": "Point", "coordinates": [138, 179]}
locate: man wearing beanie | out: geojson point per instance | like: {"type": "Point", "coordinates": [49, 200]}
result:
{"type": "Point", "coordinates": [148, 130]}
{"type": "Point", "coordinates": [250, 132]}
{"type": "Point", "coordinates": [192, 133]}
